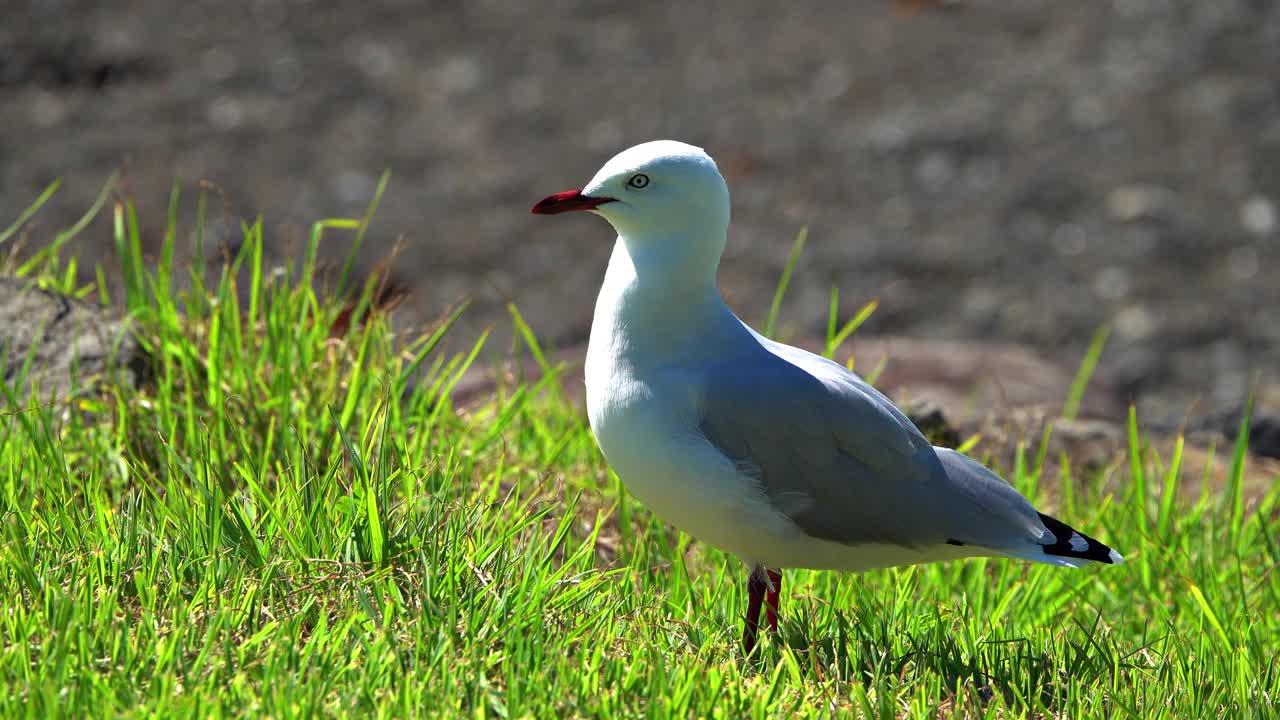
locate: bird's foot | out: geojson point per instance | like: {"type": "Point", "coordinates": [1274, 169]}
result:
{"type": "Point", "coordinates": [772, 599]}
{"type": "Point", "coordinates": [763, 589]}
{"type": "Point", "coordinates": [757, 586]}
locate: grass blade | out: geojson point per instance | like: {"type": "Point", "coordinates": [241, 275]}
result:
{"type": "Point", "coordinates": [771, 320]}
{"type": "Point", "coordinates": [834, 341]}
{"type": "Point", "coordinates": [30, 212]}
{"type": "Point", "coordinates": [1137, 469]}
{"type": "Point", "coordinates": [1239, 457]}
{"type": "Point", "coordinates": [1088, 364]}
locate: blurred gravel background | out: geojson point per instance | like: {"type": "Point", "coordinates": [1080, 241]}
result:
{"type": "Point", "coordinates": [997, 169]}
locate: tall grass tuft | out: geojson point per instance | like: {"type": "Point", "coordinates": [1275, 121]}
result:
{"type": "Point", "coordinates": [286, 523]}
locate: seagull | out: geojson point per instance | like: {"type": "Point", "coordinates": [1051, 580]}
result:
{"type": "Point", "coordinates": [780, 457]}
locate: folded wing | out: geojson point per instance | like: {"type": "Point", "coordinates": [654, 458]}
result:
{"type": "Point", "coordinates": [846, 465]}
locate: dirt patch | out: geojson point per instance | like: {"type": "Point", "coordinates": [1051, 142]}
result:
{"type": "Point", "coordinates": [1013, 172]}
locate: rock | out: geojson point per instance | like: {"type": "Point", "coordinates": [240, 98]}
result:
{"type": "Point", "coordinates": [1223, 425]}
{"type": "Point", "coordinates": [70, 343]}
{"type": "Point", "coordinates": [1264, 430]}
{"type": "Point", "coordinates": [1264, 436]}
{"type": "Point", "coordinates": [932, 421]}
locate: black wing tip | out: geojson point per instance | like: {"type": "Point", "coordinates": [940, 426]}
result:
{"type": "Point", "coordinates": [1069, 542]}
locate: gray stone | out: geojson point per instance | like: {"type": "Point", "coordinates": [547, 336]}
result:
{"type": "Point", "coordinates": [69, 344]}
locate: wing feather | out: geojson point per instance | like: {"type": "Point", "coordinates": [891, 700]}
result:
{"type": "Point", "coordinates": [845, 464]}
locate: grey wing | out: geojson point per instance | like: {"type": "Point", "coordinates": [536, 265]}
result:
{"type": "Point", "coordinates": [845, 464]}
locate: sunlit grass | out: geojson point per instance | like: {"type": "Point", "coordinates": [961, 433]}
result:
{"type": "Point", "coordinates": [285, 523]}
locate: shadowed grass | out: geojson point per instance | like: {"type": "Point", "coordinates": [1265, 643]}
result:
{"type": "Point", "coordinates": [288, 524]}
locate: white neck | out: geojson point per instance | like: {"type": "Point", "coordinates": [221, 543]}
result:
{"type": "Point", "coordinates": [671, 264]}
{"type": "Point", "coordinates": [659, 300]}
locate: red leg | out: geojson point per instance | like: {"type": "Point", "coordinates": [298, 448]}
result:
{"type": "Point", "coordinates": [756, 587]}
{"type": "Point", "coordinates": [771, 603]}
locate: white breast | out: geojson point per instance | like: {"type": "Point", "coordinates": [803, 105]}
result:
{"type": "Point", "coordinates": [645, 419]}
{"type": "Point", "coordinates": [643, 398]}
{"type": "Point", "coordinates": [667, 465]}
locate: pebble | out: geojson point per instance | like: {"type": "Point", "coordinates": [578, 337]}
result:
{"type": "Point", "coordinates": [1112, 283]}
{"type": "Point", "coordinates": [1258, 215]}
{"type": "Point", "coordinates": [225, 113]}
{"type": "Point", "coordinates": [1242, 262]}
{"type": "Point", "coordinates": [1069, 239]}
{"type": "Point", "coordinates": [1135, 323]}
{"type": "Point", "coordinates": [1131, 202]}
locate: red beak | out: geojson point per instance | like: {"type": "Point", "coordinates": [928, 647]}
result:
{"type": "Point", "coordinates": [567, 201]}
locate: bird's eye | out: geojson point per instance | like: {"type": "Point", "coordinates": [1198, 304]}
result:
{"type": "Point", "coordinates": [638, 181]}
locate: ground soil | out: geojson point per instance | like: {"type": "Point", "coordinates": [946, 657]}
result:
{"type": "Point", "coordinates": [993, 170]}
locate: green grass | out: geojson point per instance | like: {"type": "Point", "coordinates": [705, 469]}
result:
{"type": "Point", "coordinates": [283, 524]}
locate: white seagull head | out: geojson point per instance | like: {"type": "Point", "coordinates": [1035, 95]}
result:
{"type": "Point", "coordinates": [656, 192]}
